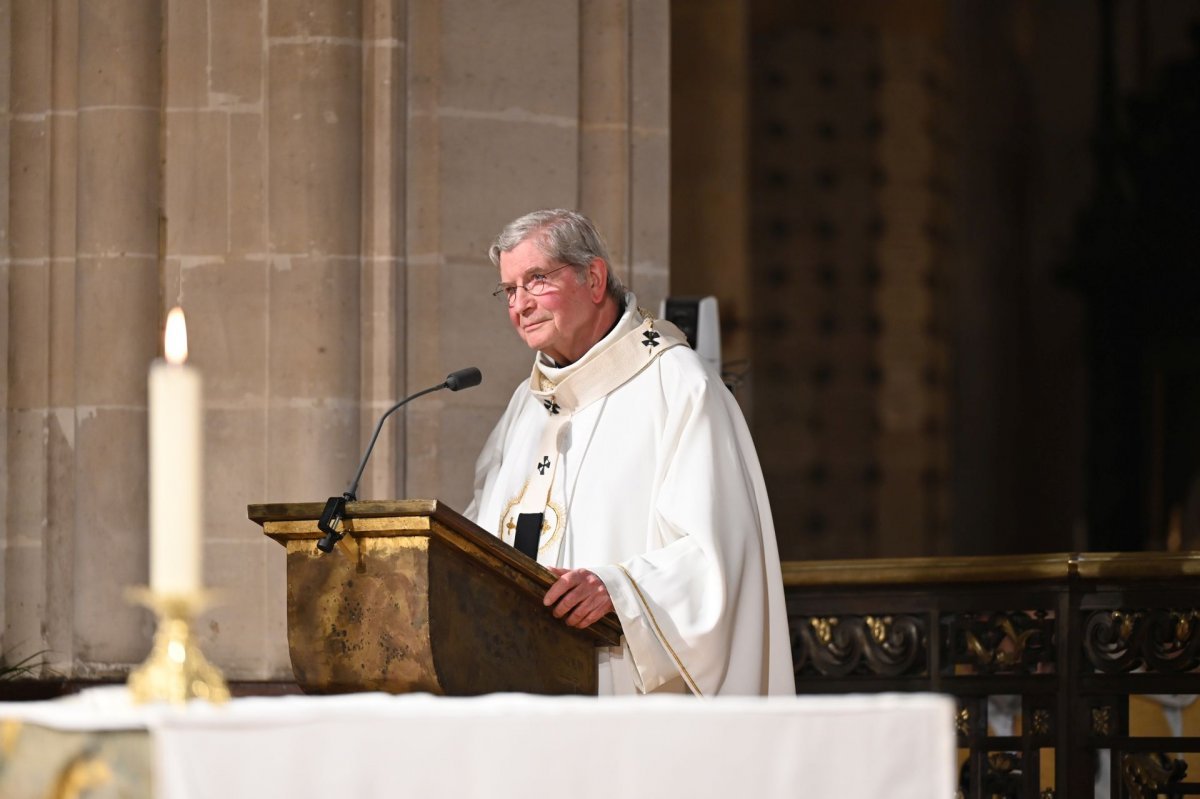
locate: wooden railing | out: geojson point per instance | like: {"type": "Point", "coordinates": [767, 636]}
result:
{"type": "Point", "coordinates": [1065, 641]}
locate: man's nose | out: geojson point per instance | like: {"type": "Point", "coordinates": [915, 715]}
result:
{"type": "Point", "coordinates": [523, 299]}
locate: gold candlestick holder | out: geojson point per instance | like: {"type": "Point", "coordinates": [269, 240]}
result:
{"type": "Point", "coordinates": [175, 671]}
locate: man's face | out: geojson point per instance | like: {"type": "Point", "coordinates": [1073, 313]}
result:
{"type": "Point", "coordinates": [562, 320]}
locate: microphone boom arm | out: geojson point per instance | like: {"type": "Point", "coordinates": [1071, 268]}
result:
{"type": "Point", "coordinates": [351, 493]}
{"type": "Point", "coordinates": [335, 507]}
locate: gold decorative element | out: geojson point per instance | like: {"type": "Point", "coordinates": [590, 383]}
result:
{"type": "Point", "coordinates": [554, 521]}
{"type": "Point", "coordinates": [10, 731]}
{"type": "Point", "coordinates": [82, 776]}
{"type": "Point", "coordinates": [962, 721]}
{"type": "Point", "coordinates": [1001, 656]}
{"type": "Point", "coordinates": [1002, 762]}
{"type": "Point", "coordinates": [661, 637]}
{"type": "Point", "coordinates": [1041, 722]}
{"type": "Point", "coordinates": [1183, 625]}
{"type": "Point", "coordinates": [176, 670]}
{"type": "Point", "coordinates": [1146, 774]}
{"type": "Point", "coordinates": [824, 629]}
{"type": "Point", "coordinates": [508, 524]}
{"type": "Point", "coordinates": [1125, 623]}
{"type": "Point", "coordinates": [1102, 721]}
{"type": "Point", "coordinates": [1047, 793]}
{"type": "Point", "coordinates": [878, 627]}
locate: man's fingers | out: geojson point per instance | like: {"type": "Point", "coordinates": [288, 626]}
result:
{"type": "Point", "coordinates": [578, 597]}
{"type": "Point", "coordinates": [567, 604]}
{"type": "Point", "coordinates": [566, 581]}
{"type": "Point", "coordinates": [560, 587]}
{"type": "Point", "coordinates": [585, 602]}
{"type": "Point", "coordinates": [583, 615]}
{"type": "Point", "coordinates": [587, 616]}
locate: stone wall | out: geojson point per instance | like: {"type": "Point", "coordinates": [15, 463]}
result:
{"type": "Point", "coordinates": [316, 183]}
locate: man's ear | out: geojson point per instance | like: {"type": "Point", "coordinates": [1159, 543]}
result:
{"type": "Point", "coordinates": [597, 272]}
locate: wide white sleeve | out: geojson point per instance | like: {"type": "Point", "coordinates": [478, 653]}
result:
{"type": "Point", "coordinates": [491, 458]}
{"type": "Point", "coordinates": [698, 605]}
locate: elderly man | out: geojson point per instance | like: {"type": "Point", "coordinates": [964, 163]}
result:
{"type": "Point", "coordinates": [624, 466]}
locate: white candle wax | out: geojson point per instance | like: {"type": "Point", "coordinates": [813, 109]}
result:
{"type": "Point", "coordinates": [175, 468]}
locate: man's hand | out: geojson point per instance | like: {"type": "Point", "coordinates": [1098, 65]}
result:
{"type": "Point", "coordinates": [578, 597]}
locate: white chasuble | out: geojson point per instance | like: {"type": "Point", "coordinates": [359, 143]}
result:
{"type": "Point", "coordinates": [650, 480]}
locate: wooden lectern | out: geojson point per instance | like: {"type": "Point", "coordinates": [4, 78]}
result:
{"type": "Point", "coordinates": [418, 598]}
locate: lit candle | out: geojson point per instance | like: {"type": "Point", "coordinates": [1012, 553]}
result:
{"type": "Point", "coordinates": [175, 466]}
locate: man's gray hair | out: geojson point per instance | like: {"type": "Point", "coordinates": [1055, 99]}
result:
{"type": "Point", "coordinates": [563, 235]}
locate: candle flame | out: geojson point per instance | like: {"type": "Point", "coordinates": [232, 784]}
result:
{"type": "Point", "coordinates": [175, 339]}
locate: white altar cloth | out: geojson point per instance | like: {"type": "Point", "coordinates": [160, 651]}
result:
{"type": "Point", "coordinates": [515, 745]}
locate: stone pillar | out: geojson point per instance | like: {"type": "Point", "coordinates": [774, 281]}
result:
{"type": "Point", "coordinates": [382, 284]}
{"type": "Point", "coordinates": [25, 165]}
{"type": "Point", "coordinates": [116, 319]}
{"type": "Point", "coordinates": [39, 213]}
{"type": "Point", "coordinates": [624, 117]}
{"type": "Point", "coordinates": [5, 150]}
{"type": "Point", "coordinates": [37, 195]}
{"type": "Point", "coordinates": [649, 198]}
{"type": "Point", "coordinates": [314, 194]}
{"type": "Point", "coordinates": [605, 135]}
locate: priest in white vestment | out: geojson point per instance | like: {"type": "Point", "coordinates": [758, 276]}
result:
{"type": "Point", "coordinates": [624, 465]}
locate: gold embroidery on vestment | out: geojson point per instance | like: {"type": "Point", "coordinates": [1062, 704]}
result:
{"type": "Point", "coordinates": [553, 515]}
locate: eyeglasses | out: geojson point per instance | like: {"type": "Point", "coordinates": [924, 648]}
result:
{"type": "Point", "coordinates": [536, 285]}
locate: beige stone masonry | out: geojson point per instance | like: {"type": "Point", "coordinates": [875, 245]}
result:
{"type": "Point", "coordinates": [314, 147]}
{"type": "Point", "coordinates": [247, 208]}
{"type": "Point", "coordinates": [311, 19]}
{"type": "Point", "coordinates": [196, 140]}
{"type": "Point", "coordinates": [115, 342]}
{"type": "Point", "coordinates": [188, 65]}
{"type": "Point", "coordinates": [235, 63]}
{"type": "Point", "coordinates": [381, 284]}
{"type": "Point", "coordinates": [604, 136]}
{"type": "Point", "coordinates": [649, 192]}
{"type": "Point", "coordinates": [316, 182]}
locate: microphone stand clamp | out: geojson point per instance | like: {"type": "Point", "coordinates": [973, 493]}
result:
{"type": "Point", "coordinates": [331, 519]}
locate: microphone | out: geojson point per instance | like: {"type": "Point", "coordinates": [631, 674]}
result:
{"type": "Point", "coordinates": [335, 507]}
{"type": "Point", "coordinates": [463, 378]}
